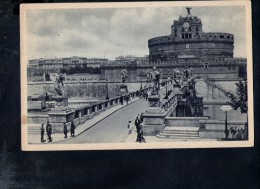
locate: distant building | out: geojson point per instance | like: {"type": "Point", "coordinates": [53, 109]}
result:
{"type": "Point", "coordinates": [49, 65]}
{"type": "Point", "coordinates": [33, 67]}
{"type": "Point", "coordinates": [131, 58]}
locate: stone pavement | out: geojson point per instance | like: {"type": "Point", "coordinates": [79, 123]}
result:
{"type": "Point", "coordinates": [34, 138]}
{"type": "Point", "coordinates": [113, 129]}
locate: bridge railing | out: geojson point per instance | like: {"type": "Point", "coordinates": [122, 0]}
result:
{"type": "Point", "coordinates": [167, 103]}
{"type": "Point", "coordinates": [80, 114]}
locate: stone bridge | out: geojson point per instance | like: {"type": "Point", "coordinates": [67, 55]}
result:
{"type": "Point", "coordinates": [165, 122]}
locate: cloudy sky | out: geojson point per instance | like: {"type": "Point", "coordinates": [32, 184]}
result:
{"type": "Point", "coordinates": [112, 32]}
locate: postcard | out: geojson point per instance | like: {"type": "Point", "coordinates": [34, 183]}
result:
{"type": "Point", "coordinates": [153, 75]}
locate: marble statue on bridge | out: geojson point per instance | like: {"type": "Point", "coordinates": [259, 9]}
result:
{"type": "Point", "coordinates": [123, 87]}
{"type": "Point", "coordinates": [155, 77]}
{"type": "Point", "coordinates": [124, 76]}
{"type": "Point", "coordinates": [58, 83]}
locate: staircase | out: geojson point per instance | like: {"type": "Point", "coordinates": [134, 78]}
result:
{"type": "Point", "coordinates": [179, 132]}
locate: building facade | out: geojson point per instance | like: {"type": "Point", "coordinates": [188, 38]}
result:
{"type": "Point", "coordinates": [50, 65]}
{"type": "Point", "coordinates": [131, 58]}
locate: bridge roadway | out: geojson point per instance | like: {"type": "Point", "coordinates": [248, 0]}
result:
{"type": "Point", "coordinates": [113, 129]}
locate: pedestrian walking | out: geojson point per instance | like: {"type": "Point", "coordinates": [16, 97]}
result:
{"type": "Point", "coordinates": [239, 135]}
{"type": "Point", "coordinates": [137, 93]}
{"type": "Point", "coordinates": [49, 131]}
{"type": "Point", "coordinates": [42, 133]}
{"type": "Point", "coordinates": [129, 126]}
{"type": "Point", "coordinates": [127, 99]}
{"type": "Point", "coordinates": [141, 134]}
{"type": "Point", "coordinates": [121, 99]}
{"type": "Point", "coordinates": [137, 126]}
{"type": "Point", "coordinates": [72, 129]}
{"type": "Point", "coordinates": [47, 98]}
{"type": "Point", "coordinates": [234, 133]}
{"type": "Point", "coordinates": [65, 130]}
{"type": "Point", "coordinates": [243, 131]}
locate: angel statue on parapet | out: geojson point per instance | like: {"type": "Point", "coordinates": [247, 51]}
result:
{"type": "Point", "coordinates": [148, 76]}
{"type": "Point", "coordinates": [124, 76]}
{"type": "Point", "coordinates": [58, 83]}
{"type": "Point", "coordinates": [155, 76]}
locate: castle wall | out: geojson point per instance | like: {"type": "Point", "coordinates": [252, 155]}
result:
{"type": "Point", "coordinates": [79, 90]}
{"type": "Point", "coordinates": [207, 69]}
{"type": "Point", "coordinates": [197, 48]}
{"type": "Point", "coordinates": [214, 98]}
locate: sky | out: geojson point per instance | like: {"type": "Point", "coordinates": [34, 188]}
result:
{"type": "Point", "coordinates": [111, 32]}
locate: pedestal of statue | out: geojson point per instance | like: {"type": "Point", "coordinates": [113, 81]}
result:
{"type": "Point", "coordinates": [123, 89]}
{"type": "Point", "coordinates": [154, 100]}
{"type": "Point", "coordinates": [60, 115]}
{"type": "Point", "coordinates": [153, 121]}
{"type": "Point", "coordinates": [60, 101]}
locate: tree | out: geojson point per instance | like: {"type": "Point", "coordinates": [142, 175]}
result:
{"type": "Point", "coordinates": [79, 69]}
{"type": "Point", "coordinates": [241, 101]}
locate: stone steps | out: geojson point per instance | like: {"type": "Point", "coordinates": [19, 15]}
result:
{"type": "Point", "coordinates": [180, 133]}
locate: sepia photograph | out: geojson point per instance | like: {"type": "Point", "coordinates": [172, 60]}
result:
{"type": "Point", "coordinates": [151, 75]}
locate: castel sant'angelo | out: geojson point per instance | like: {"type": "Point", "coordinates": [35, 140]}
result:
{"type": "Point", "coordinates": [188, 39]}
{"type": "Point", "coordinates": [208, 54]}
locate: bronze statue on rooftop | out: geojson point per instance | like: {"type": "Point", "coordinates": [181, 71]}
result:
{"type": "Point", "coordinates": [188, 10]}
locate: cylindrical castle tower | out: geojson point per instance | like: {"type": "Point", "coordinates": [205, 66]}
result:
{"type": "Point", "coordinates": [188, 39]}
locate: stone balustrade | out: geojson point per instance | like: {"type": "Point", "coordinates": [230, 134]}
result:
{"type": "Point", "coordinates": [79, 114]}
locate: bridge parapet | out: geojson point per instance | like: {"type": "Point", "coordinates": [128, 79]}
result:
{"type": "Point", "coordinates": [79, 114]}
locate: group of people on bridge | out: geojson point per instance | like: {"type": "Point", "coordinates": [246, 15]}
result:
{"type": "Point", "coordinates": [139, 129]}
{"type": "Point", "coordinates": [49, 131]}
{"type": "Point", "coordinates": [237, 134]}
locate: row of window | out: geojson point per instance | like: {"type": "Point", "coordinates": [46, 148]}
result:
{"type": "Point", "coordinates": [51, 66]}
{"type": "Point", "coordinates": [183, 29]}
{"type": "Point", "coordinates": [206, 66]}
{"type": "Point", "coordinates": [189, 36]}
{"type": "Point", "coordinates": [222, 37]}
{"type": "Point", "coordinates": [186, 36]}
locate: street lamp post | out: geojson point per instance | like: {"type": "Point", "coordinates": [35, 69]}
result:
{"type": "Point", "coordinates": [107, 97]}
{"type": "Point", "coordinates": [166, 95]}
{"type": "Point", "coordinates": [226, 108]}
{"type": "Point", "coordinates": [141, 84]}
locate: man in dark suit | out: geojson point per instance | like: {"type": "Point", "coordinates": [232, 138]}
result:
{"type": "Point", "coordinates": [42, 134]}
{"type": "Point", "coordinates": [137, 125]}
{"type": "Point", "coordinates": [72, 129]}
{"type": "Point", "coordinates": [49, 131]}
{"type": "Point", "coordinates": [65, 130]}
